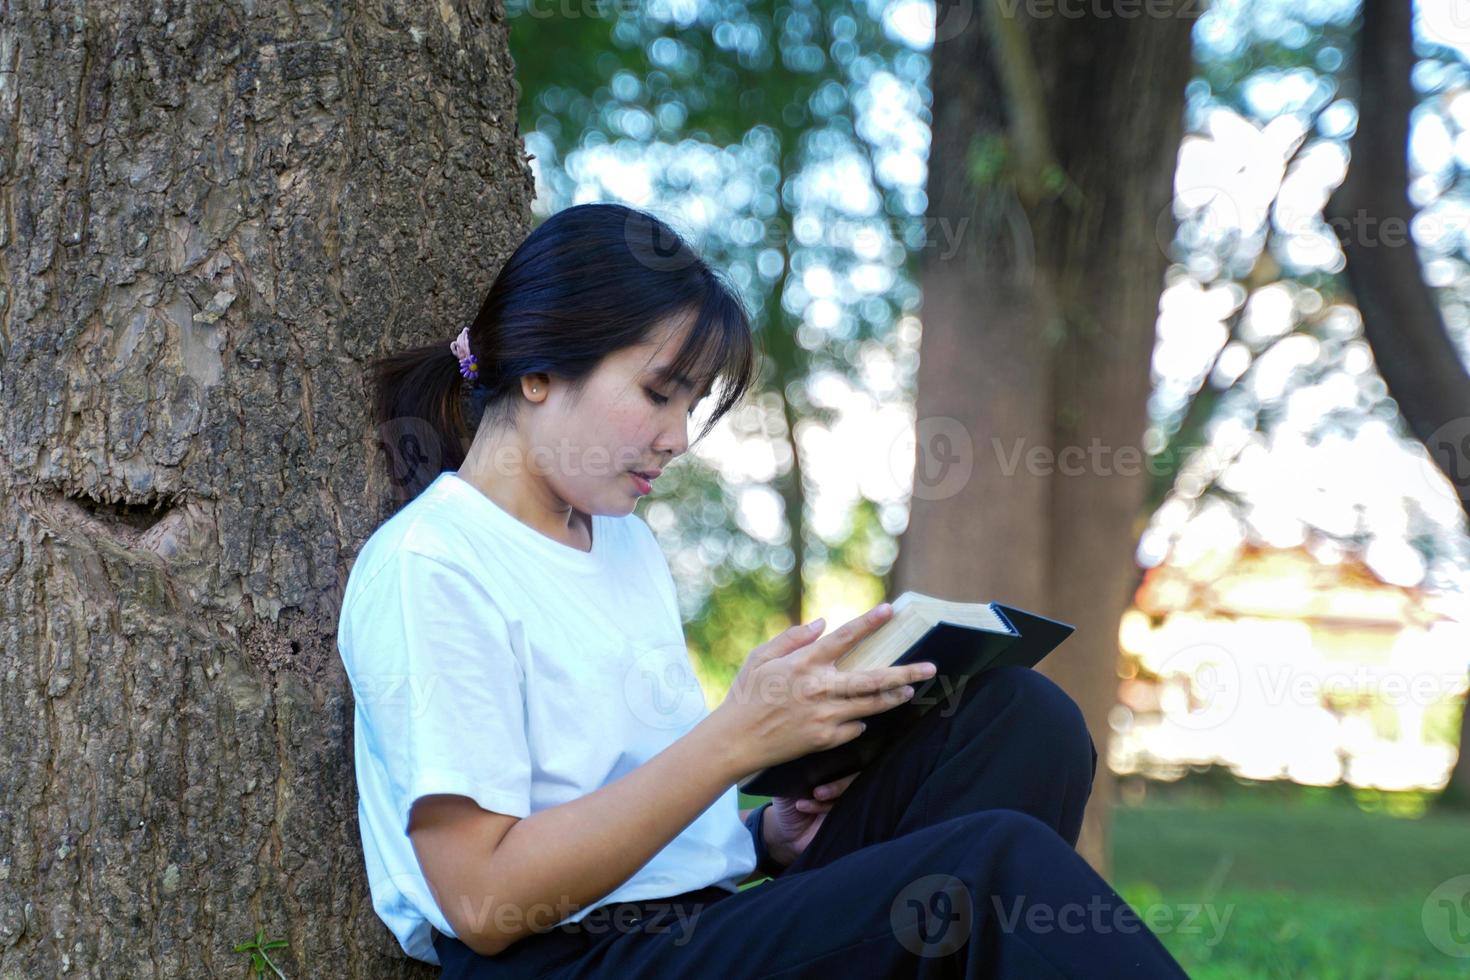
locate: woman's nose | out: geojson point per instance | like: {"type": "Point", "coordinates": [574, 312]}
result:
{"type": "Point", "coordinates": [674, 442]}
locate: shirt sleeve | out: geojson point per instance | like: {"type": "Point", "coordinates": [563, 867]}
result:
{"type": "Point", "coordinates": [447, 705]}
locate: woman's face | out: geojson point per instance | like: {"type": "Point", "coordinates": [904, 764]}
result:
{"type": "Point", "coordinates": [626, 418]}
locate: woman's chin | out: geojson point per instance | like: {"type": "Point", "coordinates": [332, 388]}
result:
{"type": "Point", "coordinates": [613, 505]}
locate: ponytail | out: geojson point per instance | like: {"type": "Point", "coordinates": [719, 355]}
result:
{"type": "Point", "coordinates": [418, 407]}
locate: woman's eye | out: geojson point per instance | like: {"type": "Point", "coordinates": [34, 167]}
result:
{"type": "Point", "coordinates": [655, 397]}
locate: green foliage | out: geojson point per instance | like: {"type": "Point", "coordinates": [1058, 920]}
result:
{"type": "Point", "coordinates": [776, 88]}
{"type": "Point", "coordinates": [739, 616]}
{"type": "Point", "coordinates": [991, 164]}
{"type": "Point", "coordinates": [1249, 45]}
{"type": "Point", "coordinates": [866, 547]}
{"type": "Point", "coordinates": [738, 600]}
{"type": "Point", "coordinates": [987, 158]}
{"type": "Point", "coordinates": [259, 959]}
{"type": "Point", "coordinates": [1054, 179]}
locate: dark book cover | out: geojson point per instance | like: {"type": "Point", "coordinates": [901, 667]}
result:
{"type": "Point", "coordinates": [959, 653]}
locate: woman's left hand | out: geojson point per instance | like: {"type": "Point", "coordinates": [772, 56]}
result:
{"type": "Point", "coordinates": [792, 821]}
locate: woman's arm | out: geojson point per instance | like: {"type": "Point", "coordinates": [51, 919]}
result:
{"type": "Point", "coordinates": [497, 887]}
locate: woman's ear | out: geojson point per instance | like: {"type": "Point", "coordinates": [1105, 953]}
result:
{"type": "Point", "coordinates": [534, 386]}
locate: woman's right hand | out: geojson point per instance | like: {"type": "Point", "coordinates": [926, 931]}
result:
{"type": "Point", "coordinates": [788, 699]}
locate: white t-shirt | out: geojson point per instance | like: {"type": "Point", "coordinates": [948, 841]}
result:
{"type": "Point", "coordinates": [490, 661]}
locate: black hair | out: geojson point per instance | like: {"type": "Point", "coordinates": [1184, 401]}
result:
{"type": "Point", "coordinates": [588, 281]}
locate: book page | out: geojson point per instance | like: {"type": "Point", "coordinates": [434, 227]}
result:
{"type": "Point", "coordinates": [914, 614]}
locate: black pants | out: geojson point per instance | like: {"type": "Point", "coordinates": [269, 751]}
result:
{"type": "Point", "coordinates": [951, 856]}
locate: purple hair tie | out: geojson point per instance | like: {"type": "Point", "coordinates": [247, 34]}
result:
{"type": "Point", "coordinates": [469, 365]}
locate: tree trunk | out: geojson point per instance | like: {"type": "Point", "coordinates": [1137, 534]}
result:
{"type": "Point", "coordinates": [216, 214]}
{"type": "Point", "coordinates": [1371, 213]}
{"type": "Point", "coordinates": [1053, 159]}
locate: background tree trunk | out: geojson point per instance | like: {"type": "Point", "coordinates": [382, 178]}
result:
{"type": "Point", "coordinates": [1371, 213]}
{"type": "Point", "coordinates": [215, 215]}
{"type": "Point", "coordinates": [1053, 156]}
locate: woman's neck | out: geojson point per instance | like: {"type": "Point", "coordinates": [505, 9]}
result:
{"type": "Point", "coordinates": [521, 493]}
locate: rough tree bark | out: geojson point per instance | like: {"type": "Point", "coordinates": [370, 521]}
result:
{"type": "Point", "coordinates": [1054, 148]}
{"type": "Point", "coordinates": [214, 215]}
{"type": "Point", "coordinates": [1371, 213]}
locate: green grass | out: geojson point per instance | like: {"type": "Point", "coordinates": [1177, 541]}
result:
{"type": "Point", "coordinates": [1279, 882]}
{"type": "Point", "coordinates": [1311, 887]}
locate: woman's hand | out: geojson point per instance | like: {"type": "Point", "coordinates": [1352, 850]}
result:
{"type": "Point", "coordinates": [792, 821]}
{"type": "Point", "coordinates": [789, 697]}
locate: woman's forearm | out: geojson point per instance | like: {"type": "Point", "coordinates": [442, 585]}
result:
{"type": "Point", "coordinates": [555, 861]}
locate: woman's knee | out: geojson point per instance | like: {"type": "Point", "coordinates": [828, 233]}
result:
{"type": "Point", "coordinates": [998, 835]}
{"type": "Point", "coordinates": [1053, 721]}
{"type": "Point", "coordinates": [989, 831]}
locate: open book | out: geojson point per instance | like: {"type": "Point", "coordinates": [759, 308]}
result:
{"type": "Point", "coordinates": [961, 639]}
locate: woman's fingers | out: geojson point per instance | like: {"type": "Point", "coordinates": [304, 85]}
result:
{"type": "Point", "coordinates": [845, 637]}
{"type": "Point", "coordinates": [829, 790]}
{"type": "Point", "coordinates": [858, 683]}
{"type": "Point", "coordinates": [791, 639]}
